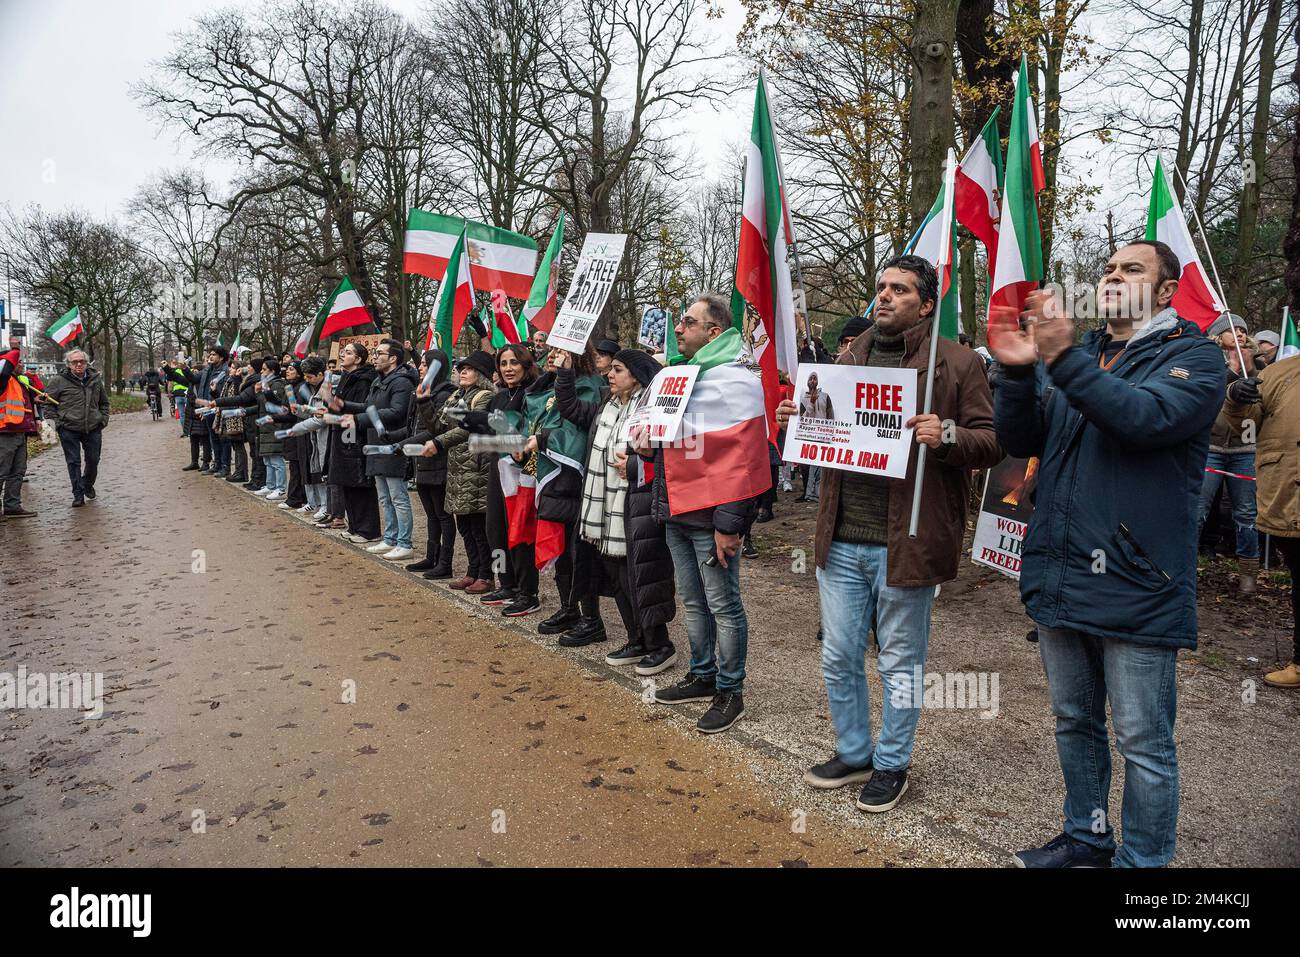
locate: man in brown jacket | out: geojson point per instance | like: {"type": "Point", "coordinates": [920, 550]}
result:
{"type": "Point", "coordinates": [1269, 406]}
{"type": "Point", "coordinates": [867, 566]}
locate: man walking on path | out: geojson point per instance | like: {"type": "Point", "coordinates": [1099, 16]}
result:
{"type": "Point", "coordinates": [868, 569]}
{"type": "Point", "coordinates": [1121, 427]}
{"type": "Point", "coordinates": [17, 422]}
{"type": "Point", "coordinates": [82, 413]}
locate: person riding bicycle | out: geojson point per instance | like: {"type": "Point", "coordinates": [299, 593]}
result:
{"type": "Point", "coordinates": [153, 391]}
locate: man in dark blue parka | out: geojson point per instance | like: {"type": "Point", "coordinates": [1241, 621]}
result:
{"type": "Point", "coordinates": [1120, 423]}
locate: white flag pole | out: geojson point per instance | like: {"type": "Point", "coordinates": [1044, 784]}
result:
{"type": "Point", "coordinates": [1205, 241]}
{"type": "Point", "coordinates": [945, 260]}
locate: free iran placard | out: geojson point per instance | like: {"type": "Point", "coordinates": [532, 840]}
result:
{"type": "Point", "coordinates": [851, 417]}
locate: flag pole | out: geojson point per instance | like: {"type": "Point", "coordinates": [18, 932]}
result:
{"type": "Point", "coordinates": [1209, 254]}
{"type": "Point", "coordinates": [945, 254]}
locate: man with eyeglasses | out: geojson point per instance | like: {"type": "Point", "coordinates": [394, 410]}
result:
{"type": "Point", "coordinates": [82, 413]}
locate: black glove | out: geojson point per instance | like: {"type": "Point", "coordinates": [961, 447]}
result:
{"type": "Point", "coordinates": [1245, 391]}
{"type": "Point", "coordinates": [477, 422]}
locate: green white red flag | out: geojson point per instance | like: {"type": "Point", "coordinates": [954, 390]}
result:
{"type": "Point", "coordinates": [455, 300]}
{"type": "Point", "coordinates": [302, 345]}
{"type": "Point", "coordinates": [1289, 338]}
{"type": "Point", "coordinates": [936, 241]}
{"type": "Point", "coordinates": [721, 454]}
{"type": "Point", "coordinates": [1195, 300]}
{"type": "Point", "coordinates": [342, 311]}
{"type": "Point", "coordinates": [498, 258]}
{"type": "Point", "coordinates": [1018, 262]}
{"type": "Point", "coordinates": [539, 311]}
{"type": "Point", "coordinates": [505, 324]}
{"type": "Point", "coordinates": [980, 182]}
{"type": "Point", "coordinates": [763, 257]}
{"type": "Point", "coordinates": [67, 327]}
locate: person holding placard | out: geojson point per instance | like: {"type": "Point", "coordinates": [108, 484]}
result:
{"type": "Point", "coordinates": [1120, 423]}
{"type": "Point", "coordinates": [868, 568]}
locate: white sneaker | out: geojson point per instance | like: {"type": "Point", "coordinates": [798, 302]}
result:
{"type": "Point", "coordinates": [398, 554]}
{"type": "Point", "coordinates": [305, 508]}
{"type": "Point", "coordinates": [262, 492]}
{"type": "Point", "coordinates": [320, 514]}
{"type": "Point", "coordinates": [284, 505]}
{"type": "Point", "coordinates": [787, 487]}
{"type": "Point", "coordinates": [379, 547]}
{"type": "Point", "coordinates": [275, 496]}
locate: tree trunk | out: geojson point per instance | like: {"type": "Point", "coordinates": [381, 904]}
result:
{"type": "Point", "coordinates": [930, 119]}
{"type": "Point", "coordinates": [1291, 245]}
{"type": "Point", "coordinates": [966, 286]}
{"type": "Point", "coordinates": [1248, 217]}
{"type": "Point", "coordinates": [1183, 158]}
{"type": "Point", "coordinates": [979, 44]}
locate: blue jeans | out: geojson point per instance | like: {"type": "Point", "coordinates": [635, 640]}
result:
{"type": "Point", "coordinates": [813, 487]}
{"type": "Point", "coordinates": [1241, 492]}
{"type": "Point", "coordinates": [277, 472]}
{"type": "Point", "coordinates": [180, 410]}
{"type": "Point", "coordinates": [395, 501]}
{"type": "Point", "coordinates": [1083, 672]}
{"type": "Point", "coordinates": [711, 602]}
{"type": "Point", "coordinates": [853, 589]}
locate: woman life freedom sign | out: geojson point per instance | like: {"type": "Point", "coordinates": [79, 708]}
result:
{"type": "Point", "coordinates": [851, 418]}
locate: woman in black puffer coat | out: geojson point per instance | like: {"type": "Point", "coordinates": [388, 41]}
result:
{"type": "Point", "coordinates": [346, 460]}
{"type": "Point", "coordinates": [431, 471]}
{"type": "Point", "coordinates": [615, 515]}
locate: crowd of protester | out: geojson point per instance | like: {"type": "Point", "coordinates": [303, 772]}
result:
{"type": "Point", "coordinates": [1124, 423]}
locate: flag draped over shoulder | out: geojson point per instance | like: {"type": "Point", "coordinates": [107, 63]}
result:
{"type": "Point", "coordinates": [1018, 263]}
{"type": "Point", "coordinates": [721, 455]}
{"type": "Point", "coordinates": [1195, 300]}
{"type": "Point", "coordinates": [565, 448]}
{"type": "Point", "coordinates": [540, 308]}
{"type": "Point", "coordinates": [499, 259]}
{"type": "Point", "coordinates": [763, 258]}
{"type": "Point", "coordinates": [1289, 344]}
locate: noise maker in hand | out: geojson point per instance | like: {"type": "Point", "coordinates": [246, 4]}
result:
{"type": "Point", "coordinates": [377, 425]}
{"type": "Point", "coordinates": [434, 368]}
{"type": "Point", "coordinates": [380, 449]}
{"type": "Point", "coordinates": [412, 450]}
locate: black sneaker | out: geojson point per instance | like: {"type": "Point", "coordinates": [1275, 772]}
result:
{"type": "Point", "coordinates": [835, 773]}
{"type": "Point", "coordinates": [764, 515]}
{"type": "Point", "coordinates": [728, 707]}
{"type": "Point", "coordinates": [423, 565]}
{"type": "Point", "coordinates": [1063, 851]}
{"type": "Point", "coordinates": [19, 512]}
{"type": "Point", "coordinates": [78, 501]}
{"type": "Point", "coordinates": [192, 467]}
{"type": "Point", "coordinates": [502, 596]}
{"type": "Point", "coordinates": [523, 605]}
{"type": "Point", "coordinates": [437, 573]}
{"type": "Point", "coordinates": [748, 549]}
{"type": "Point", "coordinates": [882, 791]}
{"type": "Point", "coordinates": [561, 621]}
{"type": "Point", "coordinates": [629, 654]}
{"type": "Point", "coordinates": [90, 493]}
{"type": "Point", "coordinates": [690, 688]}
{"type": "Point", "coordinates": [587, 631]}
{"type": "Point", "coordinates": [661, 659]}
{"type": "Point", "coordinates": [219, 473]}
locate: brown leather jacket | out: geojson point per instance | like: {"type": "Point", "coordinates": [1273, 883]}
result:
{"type": "Point", "coordinates": [961, 393]}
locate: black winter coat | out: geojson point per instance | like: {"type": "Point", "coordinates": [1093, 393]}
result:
{"type": "Point", "coordinates": [276, 391]}
{"type": "Point", "coordinates": [391, 396]}
{"type": "Point", "coordinates": [420, 422]}
{"type": "Point", "coordinates": [649, 563]}
{"type": "Point", "coordinates": [346, 462]}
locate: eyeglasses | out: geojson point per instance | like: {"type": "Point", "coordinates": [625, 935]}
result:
{"type": "Point", "coordinates": [77, 362]}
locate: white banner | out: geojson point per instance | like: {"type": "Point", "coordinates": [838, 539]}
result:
{"type": "Point", "coordinates": [593, 278]}
{"type": "Point", "coordinates": [662, 404]}
{"type": "Point", "coordinates": [851, 418]}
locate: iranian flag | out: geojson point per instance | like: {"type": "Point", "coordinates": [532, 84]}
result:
{"type": "Point", "coordinates": [1289, 338]}
{"type": "Point", "coordinates": [519, 489]}
{"type": "Point", "coordinates": [1018, 262]}
{"type": "Point", "coordinates": [980, 180]}
{"type": "Point", "coordinates": [721, 455]}
{"type": "Point", "coordinates": [506, 326]}
{"type": "Point", "coordinates": [498, 258]}
{"type": "Point", "coordinates": [455, 301]}
{"type": "Point", "coordinates": [302, 345]}
{"type": "Point", "coordinates": [540, 308]}
{"type": "Point", "coordinates": [67, 328]}
{"type": "Point", "coordinates": [341, 311]}
{"type": "Point", "coordinates": [763, 257]}
{"type": "Point", "coordinates": [564, 446]}
{"type": "Point", "coordinates": [936, 241]}
{"type": "Point", "coordinates": [1195, 299]}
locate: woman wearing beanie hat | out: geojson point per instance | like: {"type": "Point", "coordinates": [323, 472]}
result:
{"type": "Point", "coordinates": [615, 517]}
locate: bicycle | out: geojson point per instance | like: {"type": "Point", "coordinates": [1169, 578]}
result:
{"type": "Point", "coordinates": [155, 404]}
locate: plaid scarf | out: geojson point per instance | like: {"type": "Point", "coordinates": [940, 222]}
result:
{"type": "Point", "coordinates": [604, 491]}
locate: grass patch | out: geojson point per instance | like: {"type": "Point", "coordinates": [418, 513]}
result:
{"type": "Point", "coordinates": [125, 403]}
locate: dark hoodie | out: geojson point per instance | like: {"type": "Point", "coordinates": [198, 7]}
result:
{"type": "Point", "coordinates": [391, 395]}
{"type": "Point", "coordinates": [346, 462]}
{"type": "Point", "coordinates": [423, 414]}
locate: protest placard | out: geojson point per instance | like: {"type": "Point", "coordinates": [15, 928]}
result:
{"type": "Point", "coordinates": [593, 278]}
{"type": "Point", "coordinates": [662, 404]}
{"type": "Point", "coordinates": [654, 327]}
{"type": "Point", "coordinates": [851, 417]}
{"type": "Point", "coordinates": [1004, 515]}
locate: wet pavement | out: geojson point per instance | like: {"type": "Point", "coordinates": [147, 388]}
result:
{"type": "Point", "coordinates": [226, 630]}
{"type": "Point", "coordinates": [231, 638]}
